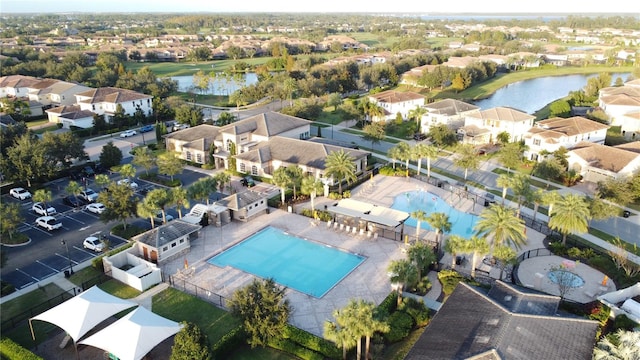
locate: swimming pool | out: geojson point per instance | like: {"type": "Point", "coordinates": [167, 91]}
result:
{"type": "Point", "coordinates": [300, 264]}
{"type": "Point", "coordinates": [461, 223]}
{"type": "Point", "coordinates": [566, 278]}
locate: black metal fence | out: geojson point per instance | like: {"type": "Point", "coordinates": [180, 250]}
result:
{"type": "Point", "coordinates": [23, 317]}
{"type": "Point", "coordinates": [209, 296]}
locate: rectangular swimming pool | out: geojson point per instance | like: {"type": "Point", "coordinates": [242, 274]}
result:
{"type": "Point", "coordinates": [302, 265]}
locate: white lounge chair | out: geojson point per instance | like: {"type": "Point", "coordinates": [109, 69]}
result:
{"type": "Point", "coordinates": [329, 223]}
{"type": "Point", "coordinates": [361, 232]}
{"type": "Point", "coordinates": [375, 236]}
{"type": "Point", "coordinates": [348, 228]}
{"type": "Point", "coordinates": [341, 227]}
{"type": "Point", "coordinates": [354, 230]}
{"type": "Point", "coordinates": [335, 225]}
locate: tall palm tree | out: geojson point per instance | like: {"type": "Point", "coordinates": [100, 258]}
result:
{"type": "Point", "coordinates": [504, 181]}
{"type": "Point", "coordinates": [551, 198]}
{"type": "Point", "coordinates": [144, 209]}
{"type": "Point", "coordinates": [455, 244]}
{"type": "Point", "coordinates": [44, 196]}
{"type": "Point", "coordinates": [361, 318]}
{"type": "Point", "coordinates": [340, 334]}
{"type": "Point", "coordinates": [478, 246]}
{"type": "Point", "coordinates": [571, 214]}
{"type": "Point", "coordinates": [311, 186]}
{"type": "Point", "coordinates": [222, 178]}
{"type": "Point", "coordinates": [521, 185]}
{"type": "Point", "coordinates": [424, 151]}
{"type": "Point", "coordinates": [417, 113]}
{"type": "Point", "coordinates": [420, 216]}
{"type": "Point", "coordinates": [402, 272]}
{"type": "Point", "coordinates": [282, 179]}
{"type": "Point", "coordinates": [394, 154]}
{"type": "Point", "coordinates": [158, 199]}
{"type": "Point", "coordinates": [499, 223]}
{"type": "Point", "coordinates": [73, 188]}
{"type": "Point", "coordinates": [295, 174]}
{"type": "Point", "coordinates": [180, 199]}
{"type": "Point", "coordinates": [198, 191]}
{"type": "Point", "coordinates": [405, 153]}
{"type": "Point", "coordinates": [536, 197]}
{"type": "Point", "coordinates": [504, 256]}
{"type": "Point", "coordinates": [440, 223]}
{"type": "Point", "coordinates": [467, 158]}
{"type": "Point", "coordinates": [340, 165]}
{"type": "Point", "coordinates": [422, 255]}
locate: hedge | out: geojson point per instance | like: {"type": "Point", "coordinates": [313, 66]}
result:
{"type": "Point", "coordinates": [229, 343]}
{"type": "Point", "coordinates": [292, 348]}
{"type": "Point", "coordinates": [312, 342]}
{"type": "Point", "coordinates": [400, 324]}
{"type": "Point", "coordinates": [12, 351]}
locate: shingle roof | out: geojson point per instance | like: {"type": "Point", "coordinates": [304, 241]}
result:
{"type": "Point", "coordinates": [111, 95]}
{"type": "Point", "coordinates": [632, 146]}
{"type": "Point", "coordinates": [471, 324]}
{"type": "Point", "coordinates": [501, 113]}
{"type": "Point", "coordinates": [392, 96]}
{"type": "Point", "coordinates": [195, 133]}
{"type": "Point", "coordinates": [164, 234]}
{"type": "Point", "coordinates": [557, 127]}
{"type": "Point", "coordinates": [604, 157]}
{"type": "Point", "coordinates": [450, 107]}
{"type": "Point", "coordinates": [266, 124]}
{"type": "Point", "coordinates": [65, 109]}
{"type": "Point", "coordinates": [238, 201]}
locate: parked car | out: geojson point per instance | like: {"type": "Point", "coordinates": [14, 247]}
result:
{"type": "Point", "coordinates": [20, 193]}
{"type": "Point", "coordinates": [147, 128]}
{"type": "Point", "coordinates": [73, 201]}
{"type": "Point", "coordinates": [247, 181]}
{"type": "Point", "coordinates": [96, 208]}
{"type": "Point", "coordinates": [93, 243]}
{"type": "Point", "coordinates": [41, 208]}
{"type": "Point", "coordinates": [48, 222]}
{"type": "Point", "coordinates": [128, 133]}
{"type": "Point", "coordinates": [132, 184]}
{"type": "Point", "coordinates": [178, 127]}
{"type": "Point", "coordinates": [158, 218]}
{"type": "Point", "coordinates": [88, 171]}
{"type": "Point", "coordinates": [88, 195]}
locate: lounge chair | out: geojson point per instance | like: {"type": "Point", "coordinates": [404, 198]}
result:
{"type": "Point", "coordinates": [354, 230]}
{"type": "Point", "coordinates": [348, 228]}
{"type": "Point", "coordinates": [341, 227]}
{"type": "Point", "coordinates": [361, 232]}
{"type": "Point", "coordinates": [375, 236]}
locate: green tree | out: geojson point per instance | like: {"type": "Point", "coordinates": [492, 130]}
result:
{"type": "Point", "coordinates": [43, 195]}
{"type": "Point", "coordinates": [504, 181]}
{"type": "Point", "coordinates": [334, 99]}
{"type": "Point", "coordinates": [26, 160]}
{"type": "Point", "coordinates": [281, 178]}
{"type": "Point", "coordinates": [441, 135]}
{"type": "Point", "coordinates": [403, 273]}
{"type": "Point", "coordinates": [198, 191]}
{"type": "Point", "coordinates": [190, 343]}
{"type": "Point", "coordinates": [223, 179]}
{"type": "Point", "coordinates": [295, 176]}
{"type": "Point", "coordinates": [263, 310]}
{"type": "Point", "coordinates": [417, 113]}
{"type": "Point", "coordinates": [467, 158]}
{"type": "Point", "coordinates": [127, 171]}
{"type": "Point", "coordinates": [10, 218]}
{"type": "Point", "coordinates": [158, 199]}
{"type": "Point", "coordinates": [504, 256]}
{"type": "Point", "coordinates": [62, 148]}
{"type": "Point", "coordinates": [340, 165]}
{"type": "Point", "coordinates": [110, 155]}
{"type": "Point", "coordinates": [439, 221]}
{"type": "Point", "coordinates": [373, 132]}
{"type": "Point", "coordinates": [550, 198]}
{"type": "Point", "coordinates": [311, 186]}
{"type": "Point", "coordinates": [145, 210]}
{"type": "Point", "coordinates": [404, 153]}
{"type": "Point", "coordinates": [560, 108]}
{"type": "Point", "coordinates": [360, 318]}
{"type": "Point", "coordinates": [571, 214]}
{"type": "Point", "coordinates": [622, 345]}
{"type": "Point", "coordinates": [455, 245]}
{"type": "Point", "coordinates": [170, 164]}
{"type": "Point", "coordinates": [420, 216]}
{"type": "Point", "coordinates": [502, 226]}
{"type": "Point", "coordinates": [423, 151]}
{"type": "Point", "coordinates": [143, 157]}
{"type": "Point", "coordinates": [503, 138]}
{"type": "Point", "coordinates": [180, 199]}
{"type": "Point", "coordinates": [510, 155]}
{"type": "Point", "coordinates": [340, 333]}
{"type": "Point", "coordinates": [73, 188]}
{"type": "Point", "coordinates": [119, 204]}
{"type": "Point", "coordinates": [422, 256]}
{"type": "Point", "coordinates": [477, 246]}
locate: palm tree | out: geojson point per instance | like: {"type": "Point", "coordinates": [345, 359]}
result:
{"type": "Point", "coordinates": [503, 227]}
{"type": "Point", "coordinates": [570, 215]}
{"type": "Point", "coordinates": [290, 85]}
{"type": "Point", "coordinates": [477, 246]}
{"type": "Point", "coordinates": [420, 216]}
{"type": "Point", "coordinates": [198, 191]}
{"type": "Point", "coordinates": [311, 186]}
{"type": "Point", "coordinates": [180, 199]}
{"type": "Point", "coordinates": [504, 181]}
{"type": "Point", "coordinates": [521, 185]}
{"type": "Point", "coordinates": [102, 180]}
{"type": "Point", "coordinates": [127, 171]}
{"type": "Point", "coordinates": [424, 151]}
{"type": "Point", "coordinates": [44, 196]}
{"type": "Point", "coordinates": [417, 113]}
{"type": "Point", "coordinates": [144, 209]}
{"type": "Point", "coordinates": [422, 256]}
{"type": "Point", "coordinates": [73, 188]}
{"type": "Point", "coordinates": [536, 197]}
{"type": "Point", "coordinates": [394, 154]}
{"type": "Point", "coordinates": [402, 272]}
{"type": "Point", "coordinates": [222, 178]}
{"type": "Point", "coordinates": [158, 199]}
{"type": "Point", "coordinates": [504, 256]}
{"type": "Point", "coordinates": [340, 334]}
{"type": "Point", "coordinates": [361, 318]}
{"type": "Point", "coordinates": [624, 346]}
{"type": "Point", "coordinates": [142, 156]}
{"type": "Point", "coordinates": [440, 223]}
{"type": "Point", "coordinates": [282, 179]}
{"type": "Point", "coordinates": [455, 244]}
{"type": "Point", "coordinates": [295, 175]}
{"type": "Point", "coordinates": [404, 153]}
{"type": "Point", "coordinates": [551, 198]}
{"type": "Point", "coordinates": [467, 158]}
{"type": "Point", "coordinates": [340, 165]}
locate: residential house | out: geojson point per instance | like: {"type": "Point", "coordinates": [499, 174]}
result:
{"type": "Point", "coordinates": [71, 115]}
{"type": "Point", "coordinates": [483, 126]}
{"type": "Point", "coordinates": [448, 112]}
{"type": "Point", "coordinates": [166, 242]}
{"type": "Point", "coordinates": [597, 162]}
{"type": "Point", "coordinates": [51, 93]}
{"type": "Point", "coordinates": [16, 85]}
{"type": "Point", "coordinates": [622, 106]}
{"type": "Point", "coordinates": [105, 101]}
{"type": "Point", "coordinates": [396, 102]}
{"type": "Point", "coordinates": [194, 144]}
{"type": "Point", "coordinates": [281, 151]}
{"type": "Point", "coordinates": [505, 323]}
{"type": "Point", "coordinates": [551, 134]}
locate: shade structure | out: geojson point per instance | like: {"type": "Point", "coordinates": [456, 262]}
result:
{"type": "Point", "coordinates": [133, 336]}
{"type": "Point", "coordinates": [83, 312]}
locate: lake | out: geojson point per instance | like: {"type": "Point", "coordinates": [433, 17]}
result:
{"type": "Point", "coordinates": [220, 85]}
{"type": "Point", "coordinates": [532, 95]}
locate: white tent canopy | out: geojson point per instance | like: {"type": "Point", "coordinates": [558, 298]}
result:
{"type": "Point", "coordinates": [82, 313]}
{"type": "Point", "coordinates": [133, 336]}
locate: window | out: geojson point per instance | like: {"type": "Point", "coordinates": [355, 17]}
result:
{"type": "Point", "coordinates": [536, 142]}
{"type": "Point", "coordinates": [165, 248]}
{"type": "Point", "coordinates": [229, 142]}
{"type": "Point", "coordinates": [199, 158]}
{"type": "Point", "coordinates": [254, 170]}
{"type": "Point", "coordinates": [181, 241]}
{"type": "Point", "coordinates": [188, 155]}
{"type": "Point", "coordinates": [243, 167]}
{"type": "Point", "coordinates": [173, 245]}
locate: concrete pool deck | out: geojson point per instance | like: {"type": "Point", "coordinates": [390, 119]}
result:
{"type": "Point", "coordinates": [369, 281]}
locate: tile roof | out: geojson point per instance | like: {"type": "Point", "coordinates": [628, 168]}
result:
{"type": "Point", "coordinates": [472, 325]}
{"type": "Point", "coordinates": [266, 124]}
{"type": "Point", "coordinates": [195, 133]}
{"type": "Point", "coordinates": [501, 113]}
{"type": "Point", "coordinates": [450, 107]}
{"type": "Point", "coordinates": [17, 81]}
{"type": "Point", "coordinates": [632, 146]}
{"type": "Point", "coordinates": [239, 200]}
{"type": "Point", "coordinates": [604, 157]}
{"type": "Point", "coordinates": [65, 109]}
{"type": "Point", "coordinates": [111, 95]}
{"type": "Point", "coordinates": [392, 96]}
{"type": "Point", "coordinates": [557, 127]}
{"type": "Point", "coordinates": [166, 233]}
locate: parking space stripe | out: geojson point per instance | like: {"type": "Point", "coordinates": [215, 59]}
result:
{"type": "Point", "coordinates": [43, 264]}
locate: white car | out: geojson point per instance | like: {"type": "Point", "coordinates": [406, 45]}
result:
{"type": "Point", "coordinates": [158, 218]}
{"type": "Point", "coordinates": [20, 193]}
{"type": "Point", "coordinates": [132, 184]}
{"type": "Point", "coordinates": [93, 243]}
{"type": "Point", "coordinates": [96, 208]}
{"type": "Point", "coordinates": [41, 209]}
{"type": "Point", "coordinates": [48, 222]}
{"type": "Point", "coordinates": [88, 195]}
{"type": "Point", "coordinates": [128, 133]}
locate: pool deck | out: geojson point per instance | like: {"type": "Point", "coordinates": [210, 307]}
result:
{"type": "Point", "coordinates": [369, 281]}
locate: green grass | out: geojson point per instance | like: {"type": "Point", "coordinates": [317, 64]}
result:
{"type": "Point", "coordinates": [179, 306]}
{"type": "Point", "coordinates": [25, 302]}
{"type": "Point", "coordinates": [86, 274]}
{"type": "Point", "coordinates": [534, 182]}
{"type": "Point", "coordinates": [247, 353]}
{"type": "Point", "coordinates": [119, 289]}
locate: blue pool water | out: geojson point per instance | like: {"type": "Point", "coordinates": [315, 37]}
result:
{"type": "Point", "coordinates": [567, 277]}
{"type": "Point", "coordinates": [296, 263]}
{"type": "Point", "coordinates": [461, 223]}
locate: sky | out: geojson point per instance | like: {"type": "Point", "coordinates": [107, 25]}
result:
{"type": "Point", "coordinates": [631, 7]}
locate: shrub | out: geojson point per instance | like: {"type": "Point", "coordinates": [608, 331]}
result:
{"type": "Point", "coordinates": [388, 170]}
{"type": "Point", "coordinates": [229, 343]}
{"type": "Point", "coordinates": [7, 288]}
{"type": "Point", "coordinates": [400, 324]}
{"type": "Point", "coordinates": [322, 215]}
{"type": "Point", "coordinates": [312, 342]}
{"type": "Point", "coordinates": [623, 322]}
{"type": "Point", "coordinates": [417, 310]}
{"type": "Point", "coordinates": [294, 349]}
{"type": "Point", "coordinates": [449, 280]}
{"type": "Point", "coordinates": [557, 248]}
{"type": "Point", "coordinates": [388, 305]}
{"type": "Point", "coordinates": [11, 351]}
{"type": "Point", "coordinates": [574, 253]}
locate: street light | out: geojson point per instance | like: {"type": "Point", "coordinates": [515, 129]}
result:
{"type": "Point", "coordinates": [68, 256]}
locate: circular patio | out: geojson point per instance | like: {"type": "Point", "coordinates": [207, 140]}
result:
{"type": "Point", "coordinates": [533, 273]}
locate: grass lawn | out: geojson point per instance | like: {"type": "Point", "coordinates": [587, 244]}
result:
{"type": "Point", "coordinates": [25, 302]}
{"type": "Point", "coordinates": [247, 353]}
{"type": "Point", "coordinates": [179, 306]}
{"type": "Point", "coordinates": [119, 289]}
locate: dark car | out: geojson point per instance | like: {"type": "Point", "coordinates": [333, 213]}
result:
{"type": "Point", "coordinates": [147, 128]}
{"type": "Point", "coordinates": [88, 171]}
{"type": "Point", "coordinates": [73, 201]}
{"type": "Point", "coordinates": [247, 181]}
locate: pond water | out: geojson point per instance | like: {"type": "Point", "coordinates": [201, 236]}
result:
{"type": "Point", "coordinates": [219, 85]}
{"type": "Point", "coordinates": [532, 95]}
